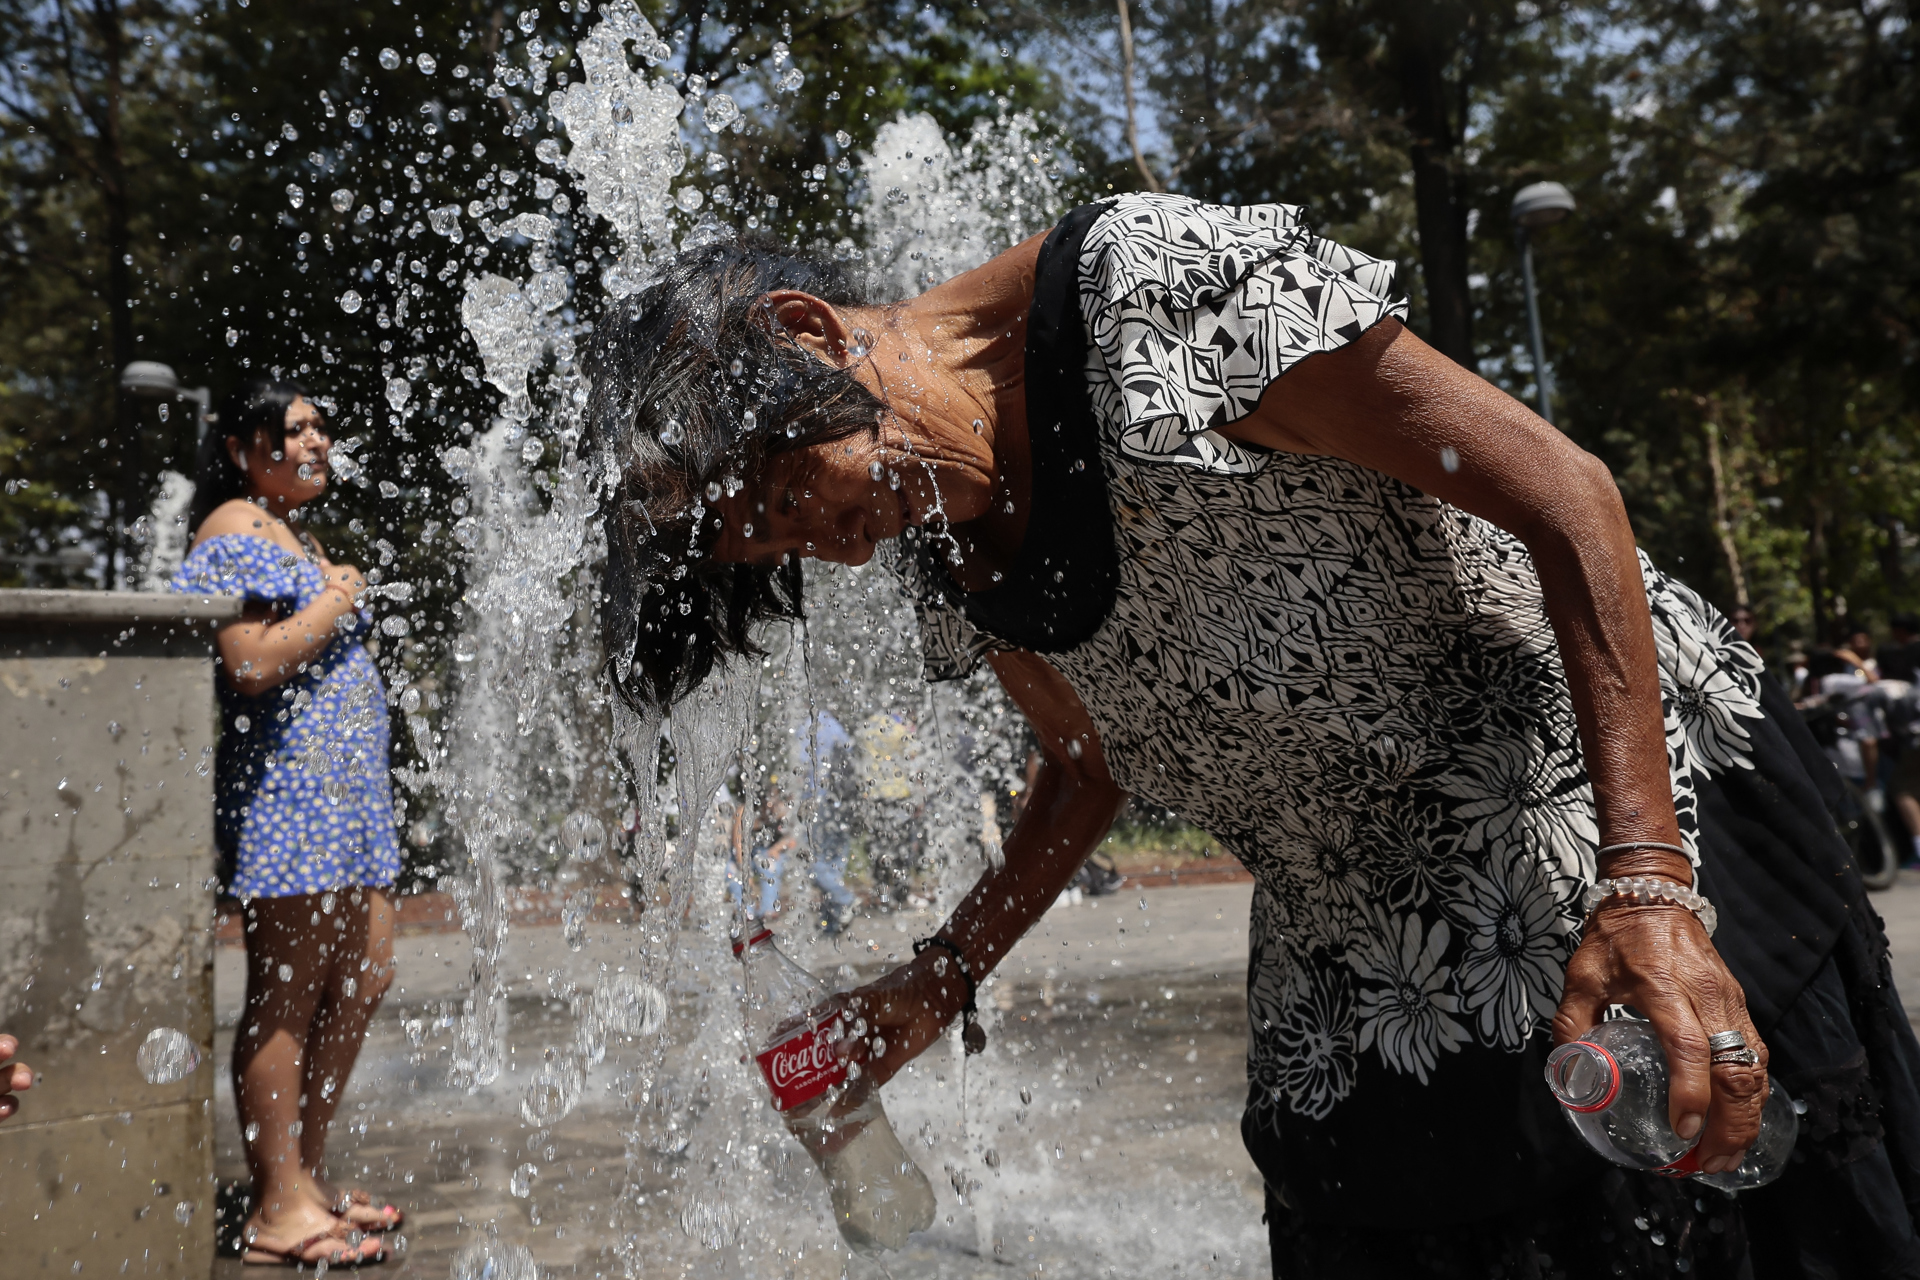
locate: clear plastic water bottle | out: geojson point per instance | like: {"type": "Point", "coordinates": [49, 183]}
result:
{"type": "Point", "coordinates": [879, 1195]}
{"type": "Point", "coordinates": [1612, 1084]}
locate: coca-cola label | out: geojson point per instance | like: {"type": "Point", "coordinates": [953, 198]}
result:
{"type": "Point", "coordinates": [802, 1067]}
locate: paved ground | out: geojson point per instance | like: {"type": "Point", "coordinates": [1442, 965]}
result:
{"type": "Point", "coordinates": [1099, 1138]}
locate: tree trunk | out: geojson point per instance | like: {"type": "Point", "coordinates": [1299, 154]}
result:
{"type": "Point", "coordinates": [1420, 45]}
{"type": "Point", "coordinates": [124, 497]}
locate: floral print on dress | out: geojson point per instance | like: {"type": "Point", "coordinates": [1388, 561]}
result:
{"type": "Point", "coordinates": [303, 800]}
{"type": "Point", "coordinates": [1351, 685]}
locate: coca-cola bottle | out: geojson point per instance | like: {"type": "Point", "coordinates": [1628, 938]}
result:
{"type": "Point", "coordinates": [879, 1194]}
{"type": "Point", "coordinates": [1612, 1083]}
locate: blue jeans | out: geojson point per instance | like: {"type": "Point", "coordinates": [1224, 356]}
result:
{"type": "Point", "coordinates": [829, 873]}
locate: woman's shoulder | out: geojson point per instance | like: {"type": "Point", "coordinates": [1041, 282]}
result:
{"type": "Point", "coordinates": [235, 553]}
{"type": "Point", "coordinates": [1188, 249]}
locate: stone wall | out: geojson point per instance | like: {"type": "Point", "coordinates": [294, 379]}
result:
{"type": "Point", "coordinates": [107, 726]}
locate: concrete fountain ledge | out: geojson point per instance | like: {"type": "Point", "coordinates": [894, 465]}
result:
{"type": "Point", "coordinates": [106, 801]}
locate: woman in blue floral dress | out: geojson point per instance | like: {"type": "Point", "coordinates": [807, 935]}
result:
{"type": "Point", "coordinates": [304, 819]}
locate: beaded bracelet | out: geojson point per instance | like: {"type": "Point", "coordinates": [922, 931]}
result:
{"type": "Point", "coordinates": [972, 1035]}
{"type": "Point", "coordinates": [1645, 890]}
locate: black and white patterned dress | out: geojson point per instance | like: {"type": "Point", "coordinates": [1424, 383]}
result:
{"type": "Point", "coordinates": [1351, 685]}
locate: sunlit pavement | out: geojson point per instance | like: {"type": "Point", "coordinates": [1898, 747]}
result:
{"type": "Point", "coordinates": [1125, 1026]}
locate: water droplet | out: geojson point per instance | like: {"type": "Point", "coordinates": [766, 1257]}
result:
{"type": "Point", "coordinates": [296, 195]}
{"type": "Point", "coordinates": [286, 973]}
{"type": "Point", "coordinates": [1449, 459]}
{"type": "Point", "coordinates": [749, 420]}
{"type": "Point", "coordinates": [875, 470]}
{"type": "Point", "coordinates": [627, 1005]}
{"type": "Point", "coordinates": [356, 117]}
{"type": "Point", "coordinates": [348, 986]}
{"type": "Point", "coordinates": [673, 433]}
{"type": "Point", "coordinates": [842, 137]}
{"type": "Point", "coordinates": [395, 625]}
{"type": "Point", "coordinates": [533, 450]}
{"type": "Point", "coordinates": [183, 1212]}
{"type": "Point", "coordinates": [233, 337]}
{"type": "Point", "coordinates": [410, 701]}
{"type": "Point", "coordinates": [253, 1131]}
{"type": "Point", "coordinates": [492, 1260]}
{"type": "Point", "coordinates": [720, 112]}
{"type": "Point", "coordinates": [390, 59]}
{"type": "Point", "coordinates": [398, 390]}
{"type": "Point", "coordinates": [350, 302]}
{"type": "Point", "coordinates": [342, 200]}
{"type": "Point", "coordinates": [792, 79]}
{"type": "Point", "coordinates": [1074, 749]}
{"type": "Point", "coordinates": [547, 151]}
{"type": "Point", "coordinates": [290, 133]}
{"type": "Point", "coordinates": [167, 1056]}
{"type": "Point", "coordinates": [553, 1091]}
{"type": "Point", "coordinates": [426, 63]}
{"type": "Point", "coordinates": [861, 344]}
{"type": "Point", "coordinates": [242, 723]}
{"type": "Point", "coordinates": [445, 221]}
{"type": "Point", "coordinates": [1026, 1097]}
{"type": "Point", "coordinates": [979, 427]}
{"type": "Point", "coordinates": [583, 837]}
{"type": "Point", "coordinates": [713, 491]}
{"type": "Point", "coordinates": [520, 1184]}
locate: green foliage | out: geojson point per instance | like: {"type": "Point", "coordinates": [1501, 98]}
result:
{"type": "Point", "coordinates": [1741, 266]}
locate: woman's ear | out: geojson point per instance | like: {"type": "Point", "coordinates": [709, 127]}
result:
{"type": "Point", "coordinates": [237, 453]}
{"type": "Point", "coordinates": [814, 326]}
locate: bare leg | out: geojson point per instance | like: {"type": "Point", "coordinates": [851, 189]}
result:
{"type": "Point", "coordinates": [286, 978]}
{"type": "Point", "coordinates": [361, 927]}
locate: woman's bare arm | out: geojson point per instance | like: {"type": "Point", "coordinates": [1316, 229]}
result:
{"type": "Point", "coordinates": [1069, 809]}
{"type": "Point", "coordinates": [260, 651]}
{"type": "Point", "coordinates": [1390, 403]}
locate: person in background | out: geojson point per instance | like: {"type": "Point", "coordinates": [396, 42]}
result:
{"type": "Point", "coordinates": [827, 780]}
{"type": "Point", "coordinates": [1899, 658]}
{"type": "Point", "coordinates": [1743, 622]}
{"type": "Point", "coordinates": [18, 1078]}
{"type": "Point", "coordinates": [1897, 663]}
{"type": "Point", "coordinates": [304, 817]}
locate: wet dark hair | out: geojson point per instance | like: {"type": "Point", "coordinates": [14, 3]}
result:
{"type": "Point", "coordinates": [694, 385]}
{"type": "Point", "coordinates": [258, 405]}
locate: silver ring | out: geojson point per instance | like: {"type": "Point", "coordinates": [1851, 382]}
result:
{"type": "Point", "coordinates": [1736, 1058]}
{"type": "Point", "coordinates": [1720, 1041]}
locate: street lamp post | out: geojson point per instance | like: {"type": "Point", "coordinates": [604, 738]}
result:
{"type": "Point", "coordinates": [1540, 205]}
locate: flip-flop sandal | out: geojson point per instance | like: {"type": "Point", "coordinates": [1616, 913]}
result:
{"type": "Point", "coordinates": [391, 1216]}
{"type": "Point", "coordinates": [347, 1255]}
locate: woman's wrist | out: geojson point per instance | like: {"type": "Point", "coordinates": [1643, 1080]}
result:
{"type": "Point", "coordinates": [1636, 863]}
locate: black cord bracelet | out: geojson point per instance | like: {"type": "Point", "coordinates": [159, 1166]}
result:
{"type": "Point", "coordinates": [972, 1035]}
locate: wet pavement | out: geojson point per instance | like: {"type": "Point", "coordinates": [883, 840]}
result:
{"type": "Point", "coordinates": [1102, 1132]}
{"type": "Point", "coordinates": [1123, 1026]}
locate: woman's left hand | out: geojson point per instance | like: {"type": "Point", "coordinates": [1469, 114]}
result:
{"type": "Point", "coordinates": [905, 1011]}
{"type": "Point", "coordinates": [1658, 959]}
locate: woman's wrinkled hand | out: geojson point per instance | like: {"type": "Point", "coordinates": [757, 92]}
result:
{"type": "Point", "coordinates": [1658, 959]}
{"type": "Point", "coordinates": [892, 1021]}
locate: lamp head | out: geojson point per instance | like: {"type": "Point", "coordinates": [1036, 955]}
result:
{"type": "Point", "coordinates": [1541, 204]}
{"type": "Point", "coordinates": [150, 378]}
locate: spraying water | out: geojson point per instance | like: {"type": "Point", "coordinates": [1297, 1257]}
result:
{"type": "Point", "coordinates": [535, 763]}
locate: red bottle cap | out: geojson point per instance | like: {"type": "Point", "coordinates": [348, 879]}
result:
{"type": "Point", "coordinates": [763, 935]}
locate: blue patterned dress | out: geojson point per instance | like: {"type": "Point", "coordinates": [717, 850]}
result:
{"type": "Point", "coordinates": [303, 802]}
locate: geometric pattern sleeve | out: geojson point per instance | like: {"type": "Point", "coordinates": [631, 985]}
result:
{"type": "Point", "coordinates": [1196, 309]}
